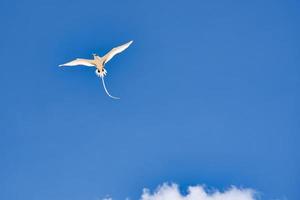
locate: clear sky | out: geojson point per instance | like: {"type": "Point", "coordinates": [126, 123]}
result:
{"type": "Point", "coordinates": [209, 95]}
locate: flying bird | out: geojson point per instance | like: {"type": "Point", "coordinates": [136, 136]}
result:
{"type": "Point", "coordinates": [99, 63]}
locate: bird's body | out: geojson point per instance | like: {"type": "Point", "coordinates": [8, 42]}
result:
{"type": "Point", "coordinates": [99, 62]}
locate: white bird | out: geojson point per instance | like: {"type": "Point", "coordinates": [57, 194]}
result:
{"type": "Point", "coordinates": [99, 63]}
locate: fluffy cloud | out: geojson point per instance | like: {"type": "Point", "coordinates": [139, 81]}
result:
{"type": "Point", "coordinates": [172, 192]}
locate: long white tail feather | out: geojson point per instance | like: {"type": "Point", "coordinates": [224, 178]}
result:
{"type": "Point", "coordinates": [103, 83]}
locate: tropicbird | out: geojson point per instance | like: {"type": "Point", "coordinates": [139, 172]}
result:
{"type": "Point", "coordinates": [99, 63]}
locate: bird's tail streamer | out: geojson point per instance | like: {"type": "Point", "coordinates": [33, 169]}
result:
{"type": "Point", "coordinates": [103, 83]}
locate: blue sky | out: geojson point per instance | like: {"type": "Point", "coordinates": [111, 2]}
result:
{"type": "Point", "coordinates": [209, 95]}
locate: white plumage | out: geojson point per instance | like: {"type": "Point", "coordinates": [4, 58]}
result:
{"type": "Point", "coordinates": [116, 50]}
{"type": "Point", "coordinates": [79, 61]}
{"type": "Point", "coordinates": [99, 63]}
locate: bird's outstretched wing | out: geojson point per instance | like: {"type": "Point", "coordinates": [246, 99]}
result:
{"type": "Point", "coordinates": [115, 51]}
{"type": "Point", "coordinates": [79, 61]}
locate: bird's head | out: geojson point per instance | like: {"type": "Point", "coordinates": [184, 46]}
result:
{"type": "Point", "coordinates": [101, 73]}
{"type": "Point", "coordinates": [94, 55]}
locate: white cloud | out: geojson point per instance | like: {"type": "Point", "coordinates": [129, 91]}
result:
{"type": "Point", "coordinates": [107, 198]}
{"type": "Point", "coordinates": [172, 192]}
{"type": "Point", "coordinates": [198, 192]}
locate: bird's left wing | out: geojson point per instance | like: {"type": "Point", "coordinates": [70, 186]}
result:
{"type": "Point", "coordinates": [115, 51]}
{"type": "Point", "coordinates": [79, 61]}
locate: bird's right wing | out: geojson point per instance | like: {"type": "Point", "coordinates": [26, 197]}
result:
{"type": "Point", "coordinates": [115, 51]}
{"type": "Point", "coordinates": [79, 61]}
